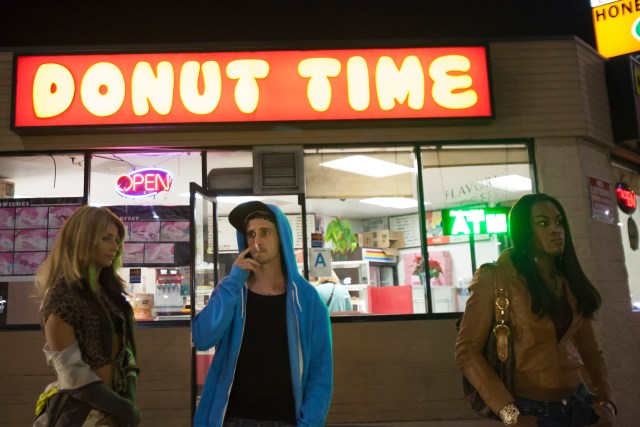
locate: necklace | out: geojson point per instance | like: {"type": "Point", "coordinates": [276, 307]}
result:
{"type": "Point", "coordinates": [558, 291]}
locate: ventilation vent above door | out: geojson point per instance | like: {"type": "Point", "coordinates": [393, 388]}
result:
{"type": "Point", "coordinates": [231, 180]}
{"type": "Point", "coordinates": [278, 170]}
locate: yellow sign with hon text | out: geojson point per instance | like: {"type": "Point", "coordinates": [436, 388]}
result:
{"type": "Point", "coordinates": [617, 27]}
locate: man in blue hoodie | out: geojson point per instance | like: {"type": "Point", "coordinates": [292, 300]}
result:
{"type": "Point", "coordinates": [272, 364]}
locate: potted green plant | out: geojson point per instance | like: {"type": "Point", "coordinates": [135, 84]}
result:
{"type": "Point", "coordinates": [342, 239]}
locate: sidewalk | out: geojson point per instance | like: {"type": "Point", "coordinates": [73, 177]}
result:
{"type": "Point", "coordinates": [426, 423]}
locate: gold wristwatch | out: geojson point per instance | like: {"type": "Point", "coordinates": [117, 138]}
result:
{"type": "Point", "coordinates": [509, 415]}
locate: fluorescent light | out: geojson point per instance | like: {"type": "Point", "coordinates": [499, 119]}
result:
{"type": "Point", "coordinates": [509, 183]}
{"type": "Point", "coordinates": [368, 166]}
{"type": "Point", "coordinates": [392, 202]}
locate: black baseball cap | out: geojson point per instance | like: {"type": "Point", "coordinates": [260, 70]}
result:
{"type": "Point", "coordinates": [239, 215]}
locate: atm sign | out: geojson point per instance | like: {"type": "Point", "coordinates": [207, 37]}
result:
{"type": "Point", "coordinates": [474, 221]}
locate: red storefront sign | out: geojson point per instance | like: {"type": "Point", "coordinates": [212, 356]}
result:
{"type": "Point", "coordinates": [179, 88]}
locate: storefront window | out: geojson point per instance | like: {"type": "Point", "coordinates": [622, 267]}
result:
{"type": "Point", "coordinates": [629, 229]}
{"type": "Point", "coordinates": [36, 194]}
{"type": "Point", "coordinates": [373, 193]}
{"type": "Point", "coordinates": [629, 221]}
{"type": "Point", "coordinates": [150, 193]}
{"type": "Point", "coordinates": [464, 187]}
{"type": "Point", "coordinates": [370, 194]}
{"type": "Point", "coordinates": [55, 175]}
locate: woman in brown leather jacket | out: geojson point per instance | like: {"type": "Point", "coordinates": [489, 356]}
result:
{"type": "Point", "coordinates": [551, 307]}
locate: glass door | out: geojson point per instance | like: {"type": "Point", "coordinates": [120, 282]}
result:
{"type": "Point", "coordinates": [203, 240]}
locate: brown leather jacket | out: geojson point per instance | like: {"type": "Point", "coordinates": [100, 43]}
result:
{"type": "Point", "coordinates": [544, 366]}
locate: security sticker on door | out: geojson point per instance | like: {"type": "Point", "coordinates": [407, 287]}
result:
{"type": "Point", "coordinates": [319, 262]}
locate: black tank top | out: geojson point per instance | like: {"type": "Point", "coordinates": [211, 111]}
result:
{"type": "Point", "coordinates": [562, 317]}
{"type": "Point", "coordinates": [261, 387]}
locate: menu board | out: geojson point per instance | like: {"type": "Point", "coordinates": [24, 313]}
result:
{"type": "Point", "coordinates": [156, 235]}
{"type": "Point", "coordinates": [375, 224]}
{"type": "Point", "coordinates": [410, 227]}
{"type": "Point", "coordinates": [227, 239]}
{"type": "Point", "coordinates": [28, 231]}
{"type": "Point", "coordinates": [295, 220]}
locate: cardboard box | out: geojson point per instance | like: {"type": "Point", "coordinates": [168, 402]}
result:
{"type": "Point", "coordinates": [143, 306]}
{"type": "Point", "coordinates": [7, 189]}
{"type": "Point", "coordinates": [389, 241]}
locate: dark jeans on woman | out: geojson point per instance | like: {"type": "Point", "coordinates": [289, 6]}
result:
{"type": "Point", "coordinates": [243, 422]}
{"type": "Point", "coordinates": [574, 411]}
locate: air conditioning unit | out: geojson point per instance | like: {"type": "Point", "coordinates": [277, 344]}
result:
{"type": "Point", "coordinates": [7, 189]}
{"type": "Point", "coordinates": [278, 169]}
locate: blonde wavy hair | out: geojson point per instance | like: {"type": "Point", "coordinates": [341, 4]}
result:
{"type": "Point", "coordinates": [70, 259]}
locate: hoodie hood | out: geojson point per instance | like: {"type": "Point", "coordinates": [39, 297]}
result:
{"type": "Point", "coordinates": [287, 253]}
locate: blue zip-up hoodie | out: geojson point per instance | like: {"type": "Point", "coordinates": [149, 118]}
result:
{"type": "Point", "coordinates": [221, 324]}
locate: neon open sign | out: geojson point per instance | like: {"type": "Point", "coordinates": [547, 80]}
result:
{"type": "Point", "coordinates": [144, 182]}
{"type": "Point", "coordinates": [626, 198]}
{"type": "Point", "coordinates": [474, 221]}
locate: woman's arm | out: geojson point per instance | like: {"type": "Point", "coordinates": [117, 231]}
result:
{"type": "Point", "coordinates": [61, 335]}
{"type": "Point", "coordinates": [58, 333]}
{"type": "Point", "coordinates": [593, 359]}
{"type": "Point", "coordinates": [472, 338]}
{"type": "Point", "coordinates": [595, 366]}
{"type": "Point", "coordinates": [76, 377]}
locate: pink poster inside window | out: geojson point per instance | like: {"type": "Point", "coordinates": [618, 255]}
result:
{"type": "Point", "coordinates": [28, 231]}
{"type": "Point", "coordinates": [156, 235]}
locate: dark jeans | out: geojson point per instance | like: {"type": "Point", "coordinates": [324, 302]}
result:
{"type": "Point", "coordinates": [574, 411]}
{"type": "Point", "coordinates": [243, 422]}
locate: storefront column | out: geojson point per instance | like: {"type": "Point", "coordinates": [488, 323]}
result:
{"type": "Point", "coordinates": [564, 165]}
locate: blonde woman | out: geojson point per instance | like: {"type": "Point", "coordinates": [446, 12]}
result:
{"type": "Point", "coordinates": [88, 326]}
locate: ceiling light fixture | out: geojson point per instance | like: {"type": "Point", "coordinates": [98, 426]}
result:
{"type": "Point", "coordinates": [368, 166]}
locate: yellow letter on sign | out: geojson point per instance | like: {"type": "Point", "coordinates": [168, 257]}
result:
{"type": "Point", "coordinates": [102, 89]}
{"type": "Point", "coordinates": [399, 84]}
{"type": "Point", "coordinates": [446, 87]}
{"type": "Point", "coordinates": [193, 101]}
{"type": "Point", "coordinates": [53, 90]}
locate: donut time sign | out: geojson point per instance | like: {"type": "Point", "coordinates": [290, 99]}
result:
{"type": "Point", "coordinates": [265, 86]}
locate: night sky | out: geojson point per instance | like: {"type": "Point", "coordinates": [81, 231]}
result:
{"type": "Point", "coordinates": [312, 23]}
